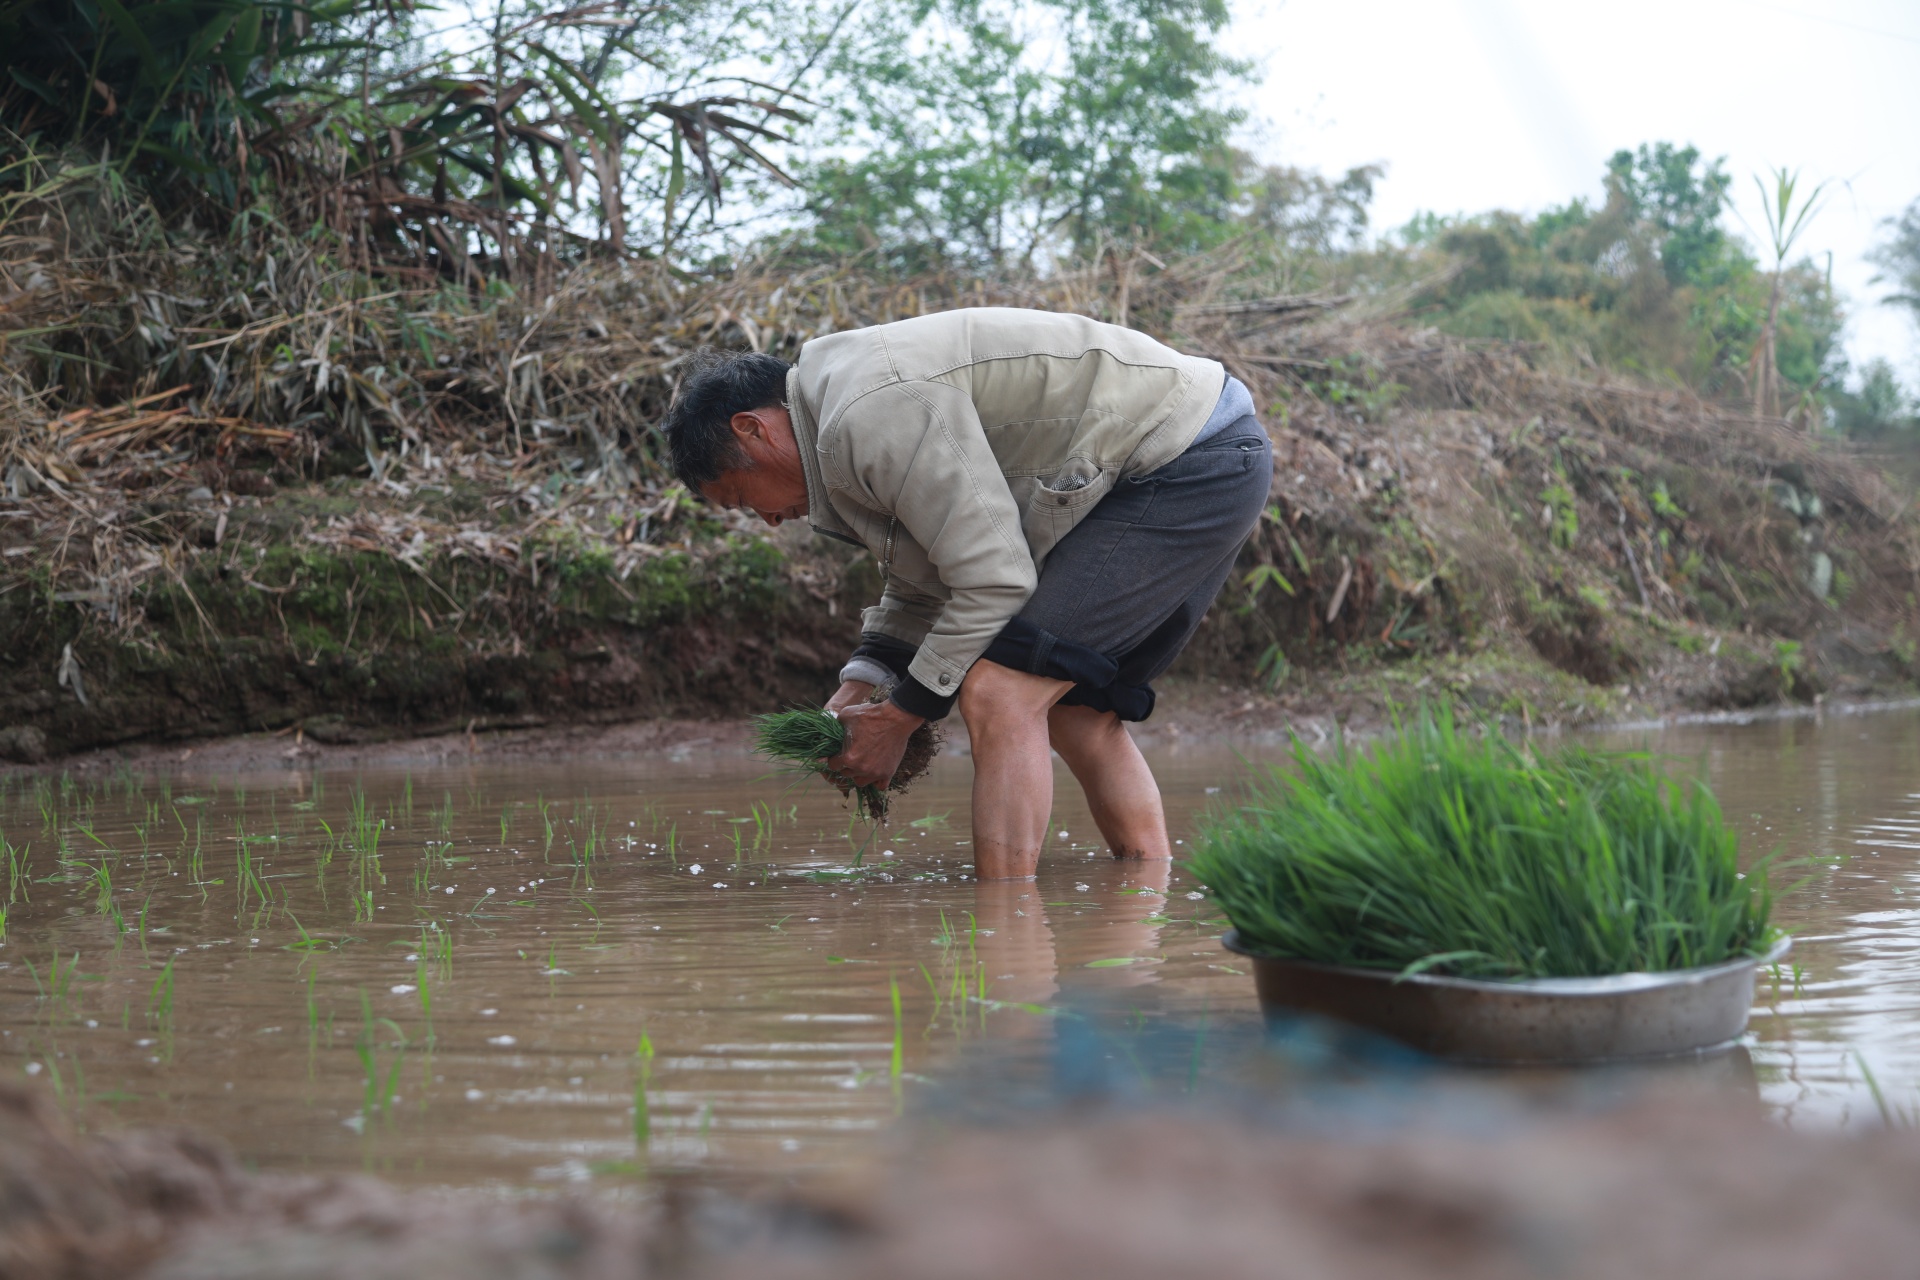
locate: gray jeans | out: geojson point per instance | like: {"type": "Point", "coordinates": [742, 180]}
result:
{"type": "Point", "coordinates": [1121, 595]}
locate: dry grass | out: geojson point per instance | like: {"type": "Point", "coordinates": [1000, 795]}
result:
{"type": "Point", "coordinates": [142, 364]}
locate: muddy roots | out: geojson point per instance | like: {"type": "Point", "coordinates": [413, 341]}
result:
{"type": "Point", "coordinates": [922, 747]}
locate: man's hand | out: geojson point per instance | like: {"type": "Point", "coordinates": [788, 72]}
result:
{"type": "Point", "coordinates": [877, 734]}
{"type": "Point", "coordinates": [851, 693]}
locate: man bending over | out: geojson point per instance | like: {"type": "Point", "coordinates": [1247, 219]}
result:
{"type": "Point", "coordinates": [1053, 503]}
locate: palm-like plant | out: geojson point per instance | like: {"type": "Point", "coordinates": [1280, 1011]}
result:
{"type": "Point", "coordinates": [1898, 257]}
{"type": "Point", "coordinates": [1786, 219]}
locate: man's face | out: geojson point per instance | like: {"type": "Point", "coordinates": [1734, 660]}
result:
{"type": "Point", "coordinates": [772, 485]}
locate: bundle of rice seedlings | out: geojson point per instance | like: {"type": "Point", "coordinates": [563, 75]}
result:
{"type": "Point", "coordinates": [806, 738]}
{"type": "Point", "coordinates": [1468, 855]}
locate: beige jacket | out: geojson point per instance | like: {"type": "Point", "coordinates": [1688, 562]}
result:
{"type": "Point", "coordinates": [959, 448]}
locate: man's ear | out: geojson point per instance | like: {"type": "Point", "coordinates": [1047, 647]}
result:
{"type": "Point", "coordinates": [747, 426]}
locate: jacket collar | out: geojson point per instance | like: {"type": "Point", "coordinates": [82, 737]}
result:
{"type": "Point", "coordinates": [806, 434]}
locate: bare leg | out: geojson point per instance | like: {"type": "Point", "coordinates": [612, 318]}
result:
{"type": "Point", "coordinates": [1006, 715]}
{"type": "Point", "coordinates": [1120, 788]}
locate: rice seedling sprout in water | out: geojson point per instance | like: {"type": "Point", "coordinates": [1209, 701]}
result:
{"type": "Point", "coordinates": [1892, 1115]}
{"type": "Point", "coordinates": [423, 989]}
{"type": "Point", "coordinates": [1471, 855]}
{"type": "Point", "coordinates": [642, 1115]}
{"type": "Point", "coordinates": [313, 1022]}
{"type": "Point", "coordinates": [379, 1089]}
{"type": "Point", "coordinates": [104, 903]}
{"type": "Point", "coordinates": [938, 998]}
{"type": "Point", "coordinates": [364, 828]}
{"type": "Point", "coordinates": [249, 886]}
{"type": "Point", "coordinates": [160, 999]}
{"type": "Point", "coordinates": [897, 1063]}
{"type": "Point", "coordinates": [19, 882]}
{"type": "Point", "coordinates": [437, 945]}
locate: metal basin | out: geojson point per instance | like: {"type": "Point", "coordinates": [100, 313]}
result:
{"type": "Point", "coordinates": [1536, 1020]}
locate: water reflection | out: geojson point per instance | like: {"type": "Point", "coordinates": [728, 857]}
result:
{"type": "Point", "coordinates": [446, 976]}
{"type": "Point", "coordinates": [1835, 795]}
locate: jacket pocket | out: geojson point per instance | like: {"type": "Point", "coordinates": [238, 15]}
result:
{"type": "Point", "coordinates": [1061, 503]}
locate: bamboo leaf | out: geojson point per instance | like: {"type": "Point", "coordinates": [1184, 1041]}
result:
{"type": "Point", "coordinates": [130, 32]}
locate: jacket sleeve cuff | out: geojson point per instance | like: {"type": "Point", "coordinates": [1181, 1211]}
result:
{"type": "Point", "coordinates": [912, 696]}
{"type": "Point", "coordinates": [866, 670]}
{"type": "Point", "coordinates": [885, 651]}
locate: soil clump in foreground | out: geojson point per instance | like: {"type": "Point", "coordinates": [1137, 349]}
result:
{"type": "Point", "coordinates": [1655, 1189]}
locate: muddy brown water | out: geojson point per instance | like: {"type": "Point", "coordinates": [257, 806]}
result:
{"type": "Point", "coordinates": [472, 975]}
{"type": "Point", "coordinates": [1841, 1021]}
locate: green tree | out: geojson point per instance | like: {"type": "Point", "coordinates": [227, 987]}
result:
{"type": "Point", "coordinates": [994, 133]}
{"type": "Point", "coordinates": [1309, 212]}
{"type": "Point", "coordinates": [1650, 281]}
{"type": "Point", "coordinates": [1880, 408]}
{"type": "Point", "coordinates": [1669, 191]}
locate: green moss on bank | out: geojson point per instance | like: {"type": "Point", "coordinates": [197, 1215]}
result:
{"type": "Point", "coordinates": [357, 643]}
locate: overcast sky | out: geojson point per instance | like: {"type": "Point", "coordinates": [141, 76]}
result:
{"type": "Point", "coordinates": [1516, 104]}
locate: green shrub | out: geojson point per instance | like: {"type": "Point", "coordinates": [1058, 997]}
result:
{"type": "Point", "coordinates": [1470, 855]}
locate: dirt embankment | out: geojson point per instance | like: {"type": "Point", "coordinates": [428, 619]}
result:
{"type": "Point", "coordinates": [1447, 520]}
{"type": "Point", "coordinates": [1656, 1190]}
{"type": "Point", "coordinates": [275, 625]}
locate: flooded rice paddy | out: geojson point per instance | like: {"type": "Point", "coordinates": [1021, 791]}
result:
{"type": "Point", "coordinates": [524, 974]}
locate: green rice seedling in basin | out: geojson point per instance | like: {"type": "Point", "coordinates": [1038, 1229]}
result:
{"type": "Point", "coordinates": [1473, 856]}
